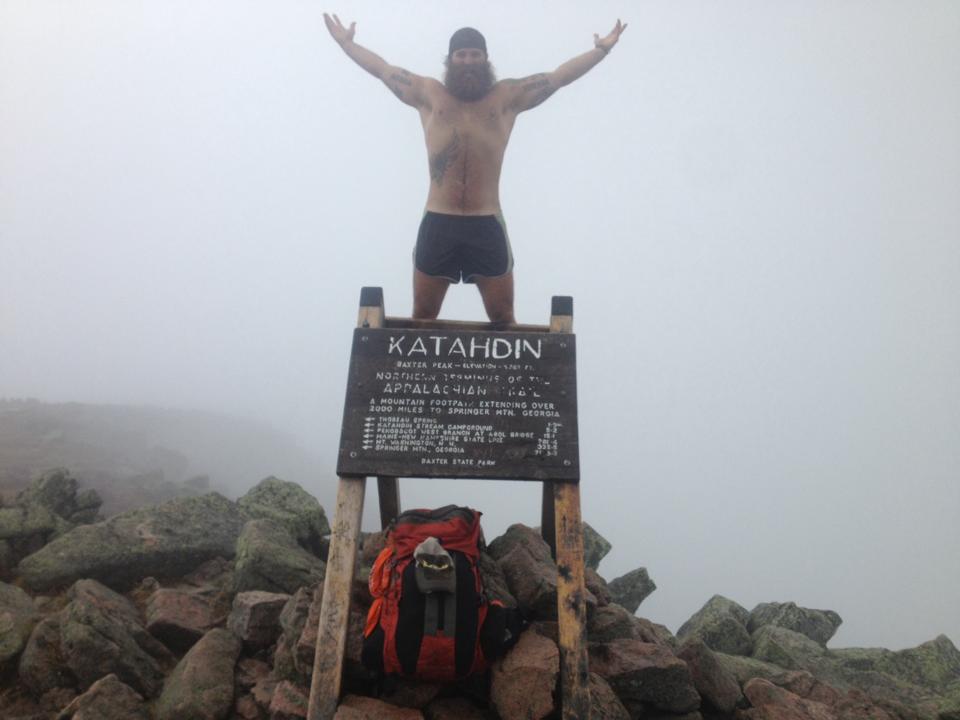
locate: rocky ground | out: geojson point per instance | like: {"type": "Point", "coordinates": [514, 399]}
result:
{"type": "Point", "coordinates": [204, 608]}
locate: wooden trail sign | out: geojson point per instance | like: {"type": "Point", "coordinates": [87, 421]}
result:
{"type": "Point", "coordinates": [390, 443]}
{"type": "Point", "coordinates": [461, 404]}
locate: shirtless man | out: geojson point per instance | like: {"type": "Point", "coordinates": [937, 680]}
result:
{"type": "Point", "coordinates": [467, 120]}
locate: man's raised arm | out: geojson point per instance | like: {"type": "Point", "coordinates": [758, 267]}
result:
{"type": "Point", "coordinates": [409, 88]}
{"type": "Point", "coordinates": [529, 92]}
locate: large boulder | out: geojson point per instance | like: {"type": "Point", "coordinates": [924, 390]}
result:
{"type": "Point", "coordinates": [180, 617]}
{"type": "Point", "coordinates": [595, 547]}
{"type": "Point", "coordinates": [722, 625]}
{"type": "Point", "coordinates": [290, 506]}
{"type": "Point", "coordinates": [529, 569]}
{"type": "Point", "coordinates": [716, 685]}
{"type": "Point", "coordinates": [17, 616]}
{"type": "Point", "coordinates": [934, 665]}
{"type": "Point", "coordinates": [56, 491]}
{"type": "Point", "coordinates": [770, 702]}
{"type": "Point", "coordinates": [255, 618]}
{"type": "Point", "coordinates": [522, 683]}
{"type": "Point", "coordinates": [166, 540]}
{"type": "Point", "coordinates": [292, 619]}
{"type": "Point", "coordinates": [788, 649]}
{"type": "Point", "coordinates": [631, 589]}
{"type": "Point", "coordinates": [101, 633]}
{"type": "Point", "coordinates": [604, 703]}
{"type": "Point", "coordinates": [818, 625]}
{"type": "Point", "coordinates": [107, 699]}
{"type": "Point", "coordinates": [47, 508]}
{"type": "Point", "coordinates": [645, 674]}
{"type": "Point", "coordinates": [270, 559]}
{"type": "Point", "coordinates": [42, 667]}
{"type": "Point", "coordinates": [201, 686]}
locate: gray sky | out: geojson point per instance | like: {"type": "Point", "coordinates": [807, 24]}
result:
{"type": "Point", "coordinates": [754, 205]}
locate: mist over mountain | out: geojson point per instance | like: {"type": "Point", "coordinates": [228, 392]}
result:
{"type": "Point", "coordinates": [135, 455]}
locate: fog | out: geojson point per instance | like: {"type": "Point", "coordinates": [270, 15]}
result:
{"type": "Point", "coordinates": [754, 206]}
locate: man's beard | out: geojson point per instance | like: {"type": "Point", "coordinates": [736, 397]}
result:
{"type": "Point", "coordinates": [469, 81]}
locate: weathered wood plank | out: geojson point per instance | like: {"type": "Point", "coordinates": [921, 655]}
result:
{"type": "Point", "coordinates": [371, 313]}
{"type": "Point", "coordinates": [548, 528]}
{"type": "Point", "coordinates": [335, 610]}
{"type": "Point", "coordinates": [561, 321]}
{"type": "Point", "coordinates": [571, 605]}
{"type": "Point", "coordinates": [388, 490]}
{"type": "Point", "coordinates": [467, 325]}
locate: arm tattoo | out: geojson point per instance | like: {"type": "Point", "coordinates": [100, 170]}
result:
{"type": "Point", "coordinates": [440, 161]}
{"type": "Point", "coordinates": [397, 79]}
{"type": "Point", "coordinates": [536, 89]}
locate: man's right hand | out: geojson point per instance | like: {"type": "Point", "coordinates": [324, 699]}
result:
{"type": "Point", "coordinates": [339, 33]}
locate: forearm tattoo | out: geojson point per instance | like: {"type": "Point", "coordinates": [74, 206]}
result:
{"type": "Point", "coordinates": [441, 161]}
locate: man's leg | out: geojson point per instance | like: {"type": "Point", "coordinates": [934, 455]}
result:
{"type": "Point", "coordinates": [428, 294]}
{"type": "Point", "coordinates": [497, 295]}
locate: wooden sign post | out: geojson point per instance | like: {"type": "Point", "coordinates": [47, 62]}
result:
{"type": "Point", "coordinates": [434, 398]}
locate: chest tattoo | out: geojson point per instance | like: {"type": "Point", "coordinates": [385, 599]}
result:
{"type": "Point", "coordinates": [440, 161]}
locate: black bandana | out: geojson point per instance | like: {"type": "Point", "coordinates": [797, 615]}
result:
{"type": "Point", "coordinates": [467, 38]}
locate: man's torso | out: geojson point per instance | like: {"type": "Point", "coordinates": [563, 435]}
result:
{"type": "Point", "coordinates": [466, 142]}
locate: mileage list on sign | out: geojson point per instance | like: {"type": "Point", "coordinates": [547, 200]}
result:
{"type": "Point", "coordinates": [424, 403]}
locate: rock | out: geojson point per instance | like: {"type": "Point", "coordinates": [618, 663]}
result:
{"type": "Point", "coordinates": [933, 665]}
{"type": "Point", "coordinates": [44, 510]}
{"type": "Point", "coordinates": [249, 672]}
{"type": "Point", "coordinates": [255, 618]}
{"type": "Point", "coordinates": [107, 699]}
{"type": "Point", "coordinates": [179, 618]}
{"type": "Point", "coordinates": [787, 649]}
{"type": "Point", "coordinates": [370, 546]}
{"type": "Point", "coordinates": [745, 668]}
{"type": "Point", "coordinates": [818, 625]}
{"type": "Point", "coordinates": [645, 673]}
{"type": "Point", "coordinates": [201, 686]}
{"type": "Point", "coordinates": [611, 622]}
{"type": "Point", "coordinates": [167, 540]}
{"type": "Point", "coordinates": [523, 682]}
{"type": "Point", "coordinates": [604, 703]}
{"type": "Point", "coordinates": [17, 616]}
{"type": "Point", "coordinates": [455, 708]}
{"type": "Point", "coordinates": [290, 506]}
{"type": "Point", "coordinates": [101, 633]}
{"type": "Point", "coordinates": [722, 625]}
{"type": "Point", "coordinates": [770, 702]}
{"type": "Point", "coordinates": [88, 507]}
{"type": "Point", "coordinates": [494, 582]}
{"type": "Point", "coordinates": [289, 702]}
{"type": "Point", "coordinates": [614, 622]}
{"type": "Point", "coordinates": [269, 559]}
{"type": "Point", "coordinates": [305, 648]}
{"type": "Point", "coordinates": [412, 693]}
{"type": "Point", "coordinates": [652, 632]}
{"type": "Point", "coordinates": [293, 617]}
{"type": "Point", "coordinates": [597, 587]}
{"type": "Point", "coordinates": [55, 490]}
{"type": "Point", "coordinates": [631, 589]}
{"type": "Point", "coordinates": [42, 667]}
{"type": "Point", "coordinates": [529, 569]}
{"type": "Point", "coordinates": [56, 699]}
{"type": "Point", "coordinates": [246, 708]}
{"type": "Point", "coordinates": [356, 707]}
{"type": "Point", "coordinates": [716, 685]}
{"type": "Point", "coordinates": [595, 547]}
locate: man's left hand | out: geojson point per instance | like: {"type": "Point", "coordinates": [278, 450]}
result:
{"type": "Point", "coordinates": [606, 44]}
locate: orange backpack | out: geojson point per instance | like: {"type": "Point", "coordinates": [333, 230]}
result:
{"type": "Point", "coordinates": [430, 617]}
